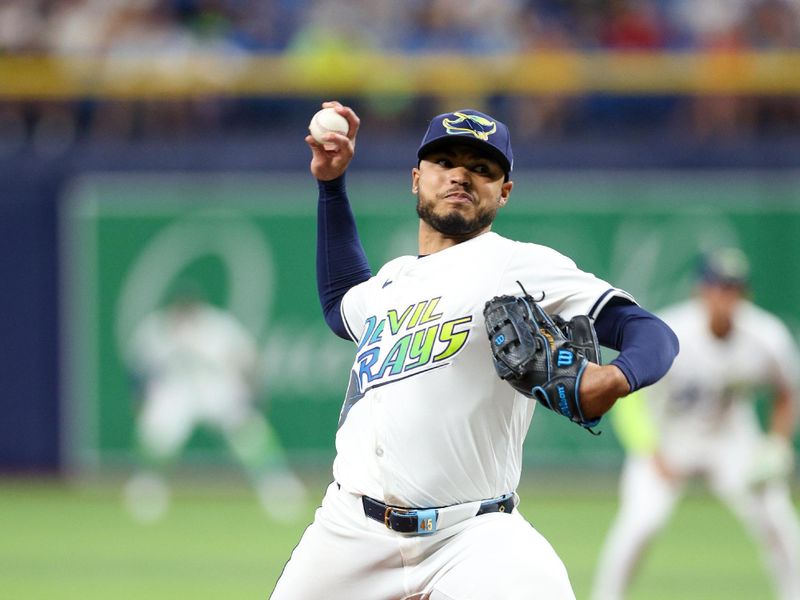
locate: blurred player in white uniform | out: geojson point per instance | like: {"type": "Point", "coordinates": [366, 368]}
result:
{"type": "Point", "coordinates": [429, 444]}
{"type": "Point", "coordinates": [196, 366]}
{"type": "Point", "coordinates": [700, 421]}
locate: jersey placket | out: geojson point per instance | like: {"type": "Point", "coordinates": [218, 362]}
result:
{"type": "Point", "coordinates": [380, 413]}
{"type": "Point", "coordinates": [380, 454]}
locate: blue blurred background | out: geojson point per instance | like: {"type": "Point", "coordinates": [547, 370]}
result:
{"type": "Point", "coordinates": [656, 126]}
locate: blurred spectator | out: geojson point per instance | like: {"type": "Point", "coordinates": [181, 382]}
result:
{"type": "Point", "coordinates": [480, 26]}
{"type": "Point", "coordinates": [772, 24]}
{"type": "Point", "coordinates": [21, 26]}
{"type": "Point", "coordinates": [542, 31]}
{"type": "Point", "coordinates": [326, 33]}
{"type": "Point", "coordinates": [706, 23]}
{"type": "Point", "coordinates": [472, 26]}
{"type": "Point", "coordinates": [633, 25]}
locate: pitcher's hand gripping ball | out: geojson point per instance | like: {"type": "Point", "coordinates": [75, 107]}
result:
{"type": "Point", "coordinates": [542, 357]}
{"type": "Point", "coordinates": [327, 121]}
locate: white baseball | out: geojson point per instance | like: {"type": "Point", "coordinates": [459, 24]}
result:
{"type": "Point", "coordinates": [326, 121]}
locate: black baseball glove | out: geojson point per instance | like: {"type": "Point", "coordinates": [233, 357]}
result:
{"type": "Point", "coordinates": [542, 357]}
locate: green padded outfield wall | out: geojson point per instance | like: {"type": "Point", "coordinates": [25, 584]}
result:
{"type": "Point", "coordinates": [250, 241]}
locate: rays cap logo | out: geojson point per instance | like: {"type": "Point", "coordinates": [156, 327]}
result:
{"type": "Point", "coordinates": [470, 127]}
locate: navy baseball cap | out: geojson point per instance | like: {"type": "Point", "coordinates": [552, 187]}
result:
{"type": "Point", "coordinates": [725, 266]}
{"type": "Point", "coordinates": [470, 127]}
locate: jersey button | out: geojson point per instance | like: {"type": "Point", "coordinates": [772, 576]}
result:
{"type": "Point", "coordinates": [379, 451]}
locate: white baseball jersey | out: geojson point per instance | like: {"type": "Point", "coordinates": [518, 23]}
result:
{"type": "Point", "coordinates": [702, 410]}
{"type": "Point", "coordinates": [197, 365]}
{"type": "Point", "coordinates": [709, 390]}
{"type": "Point", "coordinates": [426, 420]}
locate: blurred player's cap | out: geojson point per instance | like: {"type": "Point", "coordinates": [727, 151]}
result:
{"type": "Point", "coordinates": [472, 127]}
{"type": "Point", "coordinates": [725, 266]}
{"type": "Point", "coordinates": [185, 291]}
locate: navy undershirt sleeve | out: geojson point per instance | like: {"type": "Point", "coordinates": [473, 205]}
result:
{"type": "Point", "coordinates": [341, 260]}
{"type": "Point", "coordinates": [647, 346]}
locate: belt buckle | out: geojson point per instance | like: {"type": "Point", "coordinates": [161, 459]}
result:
{"type": "Point", "coordinates": [426, 519]}
{"type": "Point", "coordinates": [387, 515]}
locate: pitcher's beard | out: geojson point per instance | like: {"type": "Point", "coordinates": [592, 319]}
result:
{"type": "Point", "coordinates": [454, 223]}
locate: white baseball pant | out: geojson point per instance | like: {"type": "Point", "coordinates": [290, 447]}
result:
{"type": "Point", "coordinates": [344, 555]}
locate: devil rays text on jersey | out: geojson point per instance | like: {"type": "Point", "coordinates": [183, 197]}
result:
{"type": "Point", "coordinates": [403, 343]}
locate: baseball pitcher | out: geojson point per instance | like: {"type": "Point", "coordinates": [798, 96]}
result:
{"type": "Point", "coordinates": [454, 348]}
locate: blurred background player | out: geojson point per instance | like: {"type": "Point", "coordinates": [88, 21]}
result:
{"type": "Point", "coordinates": [196, 365]}
{"type": "Point", "coordinates": [700, 421]}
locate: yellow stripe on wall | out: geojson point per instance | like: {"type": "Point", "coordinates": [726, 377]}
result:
{"type": "Point", "coordinates": [330, 74]}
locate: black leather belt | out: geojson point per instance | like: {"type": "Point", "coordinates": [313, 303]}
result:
{"type": "Point", "coordinates": [423, 520]}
